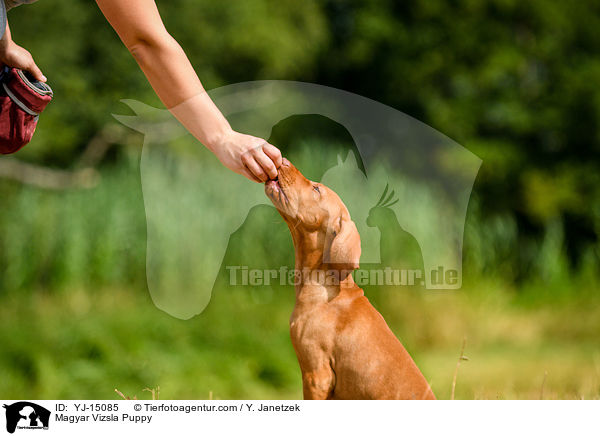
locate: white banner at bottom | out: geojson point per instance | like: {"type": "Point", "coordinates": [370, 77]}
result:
{"type": "Point", "coordinates": [21, 417]}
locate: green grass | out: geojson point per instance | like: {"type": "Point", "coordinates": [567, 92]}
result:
{"type": "Point", "coordinates": [77, 320]}
{"type": "Point", "coordinates": [84, 343]}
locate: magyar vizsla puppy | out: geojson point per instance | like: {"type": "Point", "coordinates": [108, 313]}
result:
{"type": "Point", "coordinates": [344, 346]}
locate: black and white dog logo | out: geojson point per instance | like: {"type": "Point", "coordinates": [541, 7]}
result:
{"type": "Point", "coordinates": [26, 415]}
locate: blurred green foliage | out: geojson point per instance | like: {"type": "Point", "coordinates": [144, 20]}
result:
{"type": "Point", "coordinates": [514, 82]}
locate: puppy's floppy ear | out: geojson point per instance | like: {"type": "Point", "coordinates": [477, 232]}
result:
{"type": "Point", "coordinates": [344, 245]}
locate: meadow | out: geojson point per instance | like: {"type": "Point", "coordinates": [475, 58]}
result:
{"type": "Point", "coordinates": [77, 319]}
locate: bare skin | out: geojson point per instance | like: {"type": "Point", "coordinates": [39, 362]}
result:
{"type": "Point", "coordinates": [167, 68]}
{"type": "Point", "coordinates": [344, 347]}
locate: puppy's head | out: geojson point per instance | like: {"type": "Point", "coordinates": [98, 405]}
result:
{"type": "Point", "coordinates": [320, 224]}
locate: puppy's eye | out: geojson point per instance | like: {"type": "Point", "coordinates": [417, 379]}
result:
{"type": "Point", "coordinates": [316, 188]}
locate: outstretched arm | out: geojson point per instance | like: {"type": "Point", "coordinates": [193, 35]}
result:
{"type": "Point", "coordinates": [167, 68]}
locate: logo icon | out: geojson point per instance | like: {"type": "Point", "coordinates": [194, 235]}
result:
{"type": "Point", "coordinates": [26, 415]}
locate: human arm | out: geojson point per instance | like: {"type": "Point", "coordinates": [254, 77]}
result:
{"type": "Point", "coordinates": [171, 75]}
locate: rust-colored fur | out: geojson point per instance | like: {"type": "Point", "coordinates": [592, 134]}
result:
{"type": "Point", "coordinates": [344, 346]}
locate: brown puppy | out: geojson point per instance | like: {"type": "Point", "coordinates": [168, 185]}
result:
{"type": "Point", "coordinates": [344, 346]}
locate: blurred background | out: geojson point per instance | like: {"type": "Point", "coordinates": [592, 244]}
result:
{"type": "Point", "coordinates": [513, 82]}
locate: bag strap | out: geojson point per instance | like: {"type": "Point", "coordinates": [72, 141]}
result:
{"type": "Point", "coordinates": [18, 102]}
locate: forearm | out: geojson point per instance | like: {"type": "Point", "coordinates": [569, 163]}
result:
{"type": "Point", "coordinates": [166, 67]}
{"type": "Point", "coordinates": [5, 42]}
{"type": "Point", "coordinates": [6, 38]}
{"type": "Point", "coordinates": [174, 80]}
{"type": "Point", "coordinates": [170, 73]}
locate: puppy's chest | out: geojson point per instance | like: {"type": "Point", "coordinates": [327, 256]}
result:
{"type": "Point", "coordinates": [313, 325]}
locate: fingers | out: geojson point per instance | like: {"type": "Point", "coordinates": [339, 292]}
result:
{"type": "Point", "coordinates": [16, 56]}
{"type": "Point", "coordinates": [248, 159]}
{"type": "Point", "coordinates": [36, 72]}
{"type": "Point", "coordinates": [266, 163]}
{"type": "Point", "coordinates": [246, 173]}
{"type": "Point", "coordinates": [262, 164]}
{"type": "Point", "coordinates": [273, 153]}
{"type": "Point", "coordinates": [250, 156]}
{"type": "Point", "coordinates": [31, 66]}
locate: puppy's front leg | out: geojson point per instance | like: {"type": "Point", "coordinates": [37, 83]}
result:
{"type": "Point", "coordinates": [314, 356]}
{"type": "Point", "coordinates": [318, 385]}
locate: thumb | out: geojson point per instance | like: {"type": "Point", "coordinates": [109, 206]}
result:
{"type": "Point", "coordinates": [36, 72]}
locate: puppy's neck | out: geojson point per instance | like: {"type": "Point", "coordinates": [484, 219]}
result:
{"type": "Point", "coordinates": [321, 285]}
{"type": "Point", "coordinates": [307, 249]}
{"type": "Point", "coordinates": [318, 282]}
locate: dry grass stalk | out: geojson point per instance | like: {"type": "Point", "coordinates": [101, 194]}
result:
{"type": "Point", "coordinates": [155, 394]}
{"type": "Point", "coordinates": [460, 359]}
{"type": "Point", "coordinates": [543, 385]}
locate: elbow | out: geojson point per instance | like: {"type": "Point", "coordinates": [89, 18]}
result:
{"type": "Point", "coordinates": [145, 48]}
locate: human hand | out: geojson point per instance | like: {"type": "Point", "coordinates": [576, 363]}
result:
{"type": "Point", "coordinates": [16, 56]}
{"type": "Point", "coordinates": [248, 155]}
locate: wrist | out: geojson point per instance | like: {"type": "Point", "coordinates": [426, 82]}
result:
{"type": "Point", "coordinates": [5, 48]}
{"type": "Point", "coordinates": [218, 137]}
{"type": "Point", "coordinates": [5, 40]}
{"type": "Point", "coordinates": [204, 121]}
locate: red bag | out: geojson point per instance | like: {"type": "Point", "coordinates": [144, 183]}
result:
{"type": "Point", "coordinates": [22, 99]}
